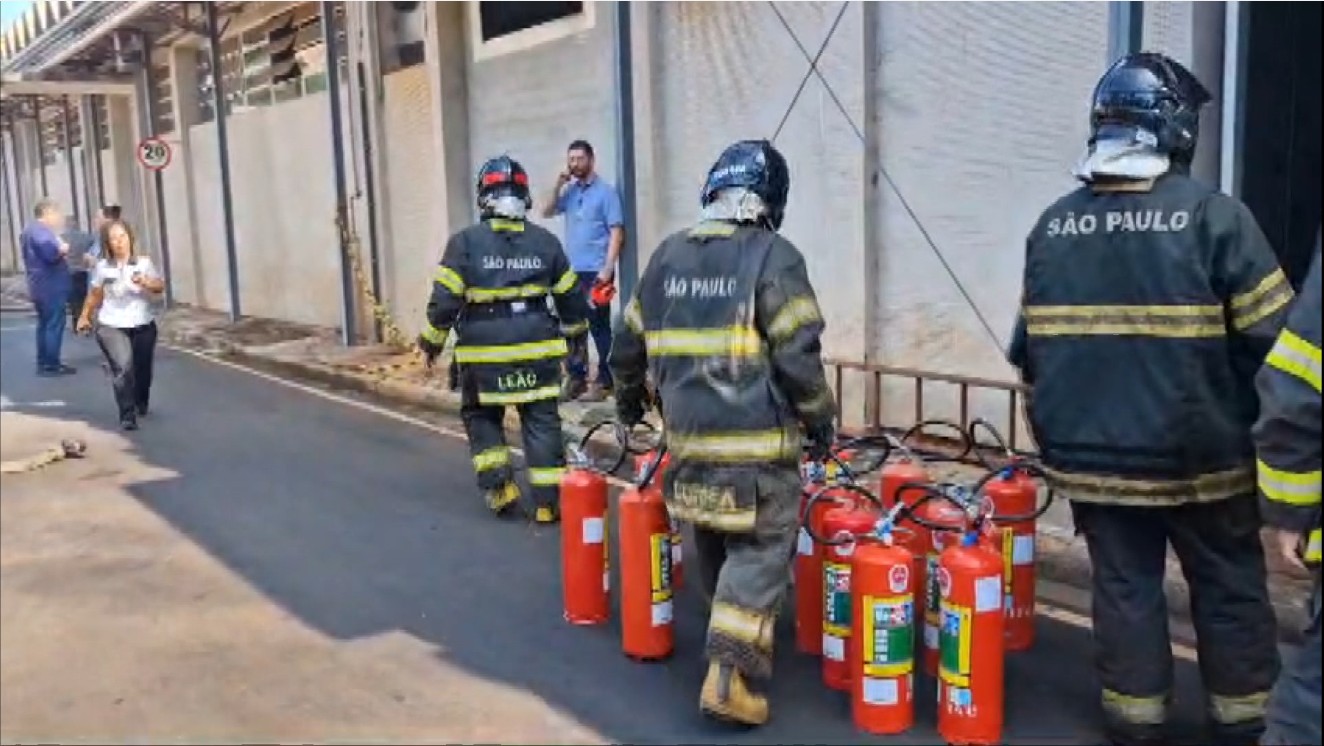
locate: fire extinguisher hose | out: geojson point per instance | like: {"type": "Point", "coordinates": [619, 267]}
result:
{"type": "Point", "coordinates": [622, 440]}
{"type": "Point", "coordinates": [1010, 453]}
{"type": "Point", "coordinates": [882, 445]}
{"type": "Point", "coordinates": [1033, 470]}
{"type": "Point", "coordinates": [919, 428]}
{"type": "Point", "coordinates": [819, 494]}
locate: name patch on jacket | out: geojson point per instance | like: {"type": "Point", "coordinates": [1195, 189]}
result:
{"type": "Point", "coordinates": [1119, 221]}
{"type": "Point", "coordinates": [518, 380]}
{"type": "Point", "coordinates": [699, 288]}
{"type": "Point", "coordinates": [513, 262]}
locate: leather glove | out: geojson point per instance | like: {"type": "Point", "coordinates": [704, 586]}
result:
{"type": "Point", "coordinates": [431, 350]}
{"type": "Point", "coordinates": [629, 410]}
{"type": "Point", "coordinates": [820, 442]}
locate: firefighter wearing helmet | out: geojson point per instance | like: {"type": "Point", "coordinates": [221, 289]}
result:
{"type": "Point", "coordinates": [1149, 302]}
{"type": "Point", "coordinates": [726, 322]}
{"type": "Point", "coordinates": [1287, 440]}
{"type": "Point", "coordinates": [491, 288]}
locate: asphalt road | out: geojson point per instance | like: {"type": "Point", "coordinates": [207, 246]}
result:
{"type": "Point", "coordinates": [376, 589]}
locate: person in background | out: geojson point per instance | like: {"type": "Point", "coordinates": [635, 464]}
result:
{"type": "Point", "coordinates": [122, 284]}
{"type": "Point", "coordinates": [594, 235]}
{"type": "Point", "coordinates": [49, 283]}
{"type": "Point", "coordinates": [84, 250]}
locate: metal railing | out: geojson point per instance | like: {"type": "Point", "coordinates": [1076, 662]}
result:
{"type": "Point", "coordinates": [877, 413]}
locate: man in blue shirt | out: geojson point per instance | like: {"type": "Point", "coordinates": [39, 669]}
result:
{"type": "Point", "coordinates": [594, 234]}
{"type": "Point", "coordinates": [49, 283]}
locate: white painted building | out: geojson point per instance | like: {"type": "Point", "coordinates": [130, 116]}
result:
{"type": "Point", "coordinates": [975, 112]}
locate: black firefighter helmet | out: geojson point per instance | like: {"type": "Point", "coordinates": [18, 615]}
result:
{"type": "Point", "coordinates": [502, 176]}
{"type": "Point", "coordinates": [1149, 97]}
{"type": "Point", "coordinates": [757, 166]}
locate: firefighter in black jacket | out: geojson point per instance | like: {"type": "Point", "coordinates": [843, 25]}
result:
{"type": "Point", "coordinates": [492, 287]}
{"type": "Point", "coordinates": [727, 324]}
{"type": "Point", "coordinates": [1149, 302]}
{"type": "Point", "coordinates": [1287, 439]}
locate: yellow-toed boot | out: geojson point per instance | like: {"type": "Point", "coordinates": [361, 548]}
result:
{"type": "Point", "coordinates": [501, 500]}
{"type": "Point", "coordinates": [726, 697]}
{"type": "Point", "coordinates": [546, 514]}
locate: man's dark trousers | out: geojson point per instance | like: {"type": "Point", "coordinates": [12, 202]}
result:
{"type": "Point", "coordinates": [599, 327]}
{"type": "Point", "coordinates": [77, 293]}
{"type": "Point", "coordinates": [51, 302]}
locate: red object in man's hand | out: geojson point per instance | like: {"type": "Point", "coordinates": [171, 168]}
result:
{"type": "Point", "coordinates": [602, 293]}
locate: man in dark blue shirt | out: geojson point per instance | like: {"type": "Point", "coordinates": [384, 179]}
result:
{"type": "Point", "coordinates": [49, 284]}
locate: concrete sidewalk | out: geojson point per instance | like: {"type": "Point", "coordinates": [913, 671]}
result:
{"type": "Point", "coordinates": [399, 379]}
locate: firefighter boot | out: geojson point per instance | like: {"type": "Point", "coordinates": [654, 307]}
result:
{"type": "Point", "coordinates": [503, 500]}
{"type": "Point", "coordinates": [726, 697]}
{"type": "Point", "coordinates": [546, 514]}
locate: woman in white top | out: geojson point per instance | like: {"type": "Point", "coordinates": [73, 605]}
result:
{"type": "Point", "coordinates": [119, 293]}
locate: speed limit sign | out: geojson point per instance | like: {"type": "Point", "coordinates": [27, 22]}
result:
{"type": "Point", "coordinates": [154, 153]}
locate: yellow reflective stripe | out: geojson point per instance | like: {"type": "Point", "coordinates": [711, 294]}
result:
{"type": "Point", "coordinates": [733, 341]}
{"type": "Point", "coordinates": [492, 458]}
{"type": "Point", "coordinates": [1253, 306]}
{"type": "Point", "coordinates": [449, 279]}
{"type": "Point", "coordinates": [1230, 710]}
{"type": "Point", "coordinates": [1296, 357]}
{"type": "Point", "coordinates": [738, 447]}
{"type": "Point", "coordinates": [1174, 322]}
{"type": "Point", "coordinates": [743, 625]}
{"type": "Point", "coordinates": [733, 521]}
{"type": "Point", "coordinates": [1289, 487]}
{"type": "Point", "coordinates": [1137, 710]}
{"type": "Point", "coordinates": [796, 313]}
{"type": "Point", "coordinates": [567, 282]}
{"type": "Point", "coordinates": [575, 329]}
{"type": "Point", "coordinates": [713, 228]}
{"type": "Point", "coordinates": [546, 476]}
{"type": "Point", "coordinates": [634, 318]}
{"type": "Point", "coordinates": [519, 292]}
{"type": "Point", "coordinates": [511, 353]}
{"type": "Point", "coordinates": [817, 404]}
{"type": "Point", "coordinates": [1312, 553]}
{"type": "Point", "coordinates": [434, 335]}
{"type": "Point", "coordinates": [1125, 491]}
{"type": "Point", "coordinates": [512, 226]}
{"type": "Point", "coordinates": [519, 397]}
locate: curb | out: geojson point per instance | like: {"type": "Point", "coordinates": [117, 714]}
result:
{"type": "Point", "coordinates": [1060, 559]}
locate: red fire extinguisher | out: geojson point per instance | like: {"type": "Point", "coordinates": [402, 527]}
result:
{"type": "Point", "coordinates": [642, 462]}
{"type": "Point", "coordinates": [808, 565]}
{"type": "Point", "coordinates": [970, 673]}
{"type": "Point", "coordinates": [644, 536]}
{"type": "Point", "coordinates": [935, 524]}
{"type": "Point", "coordinates": [841, 522]}
{"type": "Point", "coordinates": [899, 471]}
{"type": "Point", "coordinates": [1014, 495]}
{"type": "Point", "coordinates": [882, 649]}
{"type": "Point", "coordinates": [585, 575]}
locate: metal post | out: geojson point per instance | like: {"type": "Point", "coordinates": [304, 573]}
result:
{"type": "Point", "coordinates": [96, 148]}
{"type": "Point", "coordinates": [1126, 28]}
{"type": "Point", "coordinates": [223, 152]}
{"type": "Point", "coordinates": [17, 163]}
{"type": "Point", "coordinates": [370, 186]}
{"type": "Point", "coordinates": [41, 147]}
{"type": "Point", "coordinates": [338, 161]}
{"type": "Point", "coordinates": [1235, 26]}
{"type": "Point", "coordinates": [69, 162]}
{"type": "Point", "coordinates": [628, 271]}
{"type": "Point", "coordinates": [8, 157]}
{"type": "Point", "coordinates": [88, 143]}
{"type": "Point", "coordinates": [149, 108]}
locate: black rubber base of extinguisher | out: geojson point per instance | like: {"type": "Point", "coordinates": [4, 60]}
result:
{"type": "Point", "coordinates": [650, 658]}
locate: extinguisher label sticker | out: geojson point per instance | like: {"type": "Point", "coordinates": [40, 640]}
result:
{"type": "Point", "coordinates": [932, 589]}
{"type": "Point", "coordinates": [881, 691]}
{"type": "Point", "coordinates": [988, 594]}
{"type": "Point", "coordinates": [804, 544]}
{"type": "Point", "coordinates": [954, 645]}
{"type": "Point", "coordinates": [836, 599]}
{"type": "Point", "coordinates": [662, 614]}
{"type": "Point", "coordinates": [889, 636]}
{"type": "Point", "coordinates": [593, 531]}
{"type": "Point", "coordinates": [1022, 552]}
{"type": "Point", "coordinates": [661, 568]}
{"type": "Point", "coordinates": [1008, 552]}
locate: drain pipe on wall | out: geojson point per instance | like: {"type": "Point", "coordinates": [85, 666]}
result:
{"type": "Point", "coordinates": [223, 153]}
{"type": "Point", "coordinates": [628, 271]}
{"type": "Point", "coordinates": [347, 335]}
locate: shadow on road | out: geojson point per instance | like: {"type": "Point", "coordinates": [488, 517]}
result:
{"type": "Point", "coordinates": [360, 526]}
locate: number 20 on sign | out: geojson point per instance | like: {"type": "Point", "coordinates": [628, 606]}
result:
{"type": "Point", "coordinates": [154, 153]}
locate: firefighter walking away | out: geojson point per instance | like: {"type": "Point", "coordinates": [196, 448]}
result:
{"type": "Point", "coordinates": [1149, 302]}
{"type": "Point", "coordinates": [491, 288]}
{"type": "Point", "coordinates": [1287, 440]}
{"type": "Point", "coordinates": [726, 323]}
